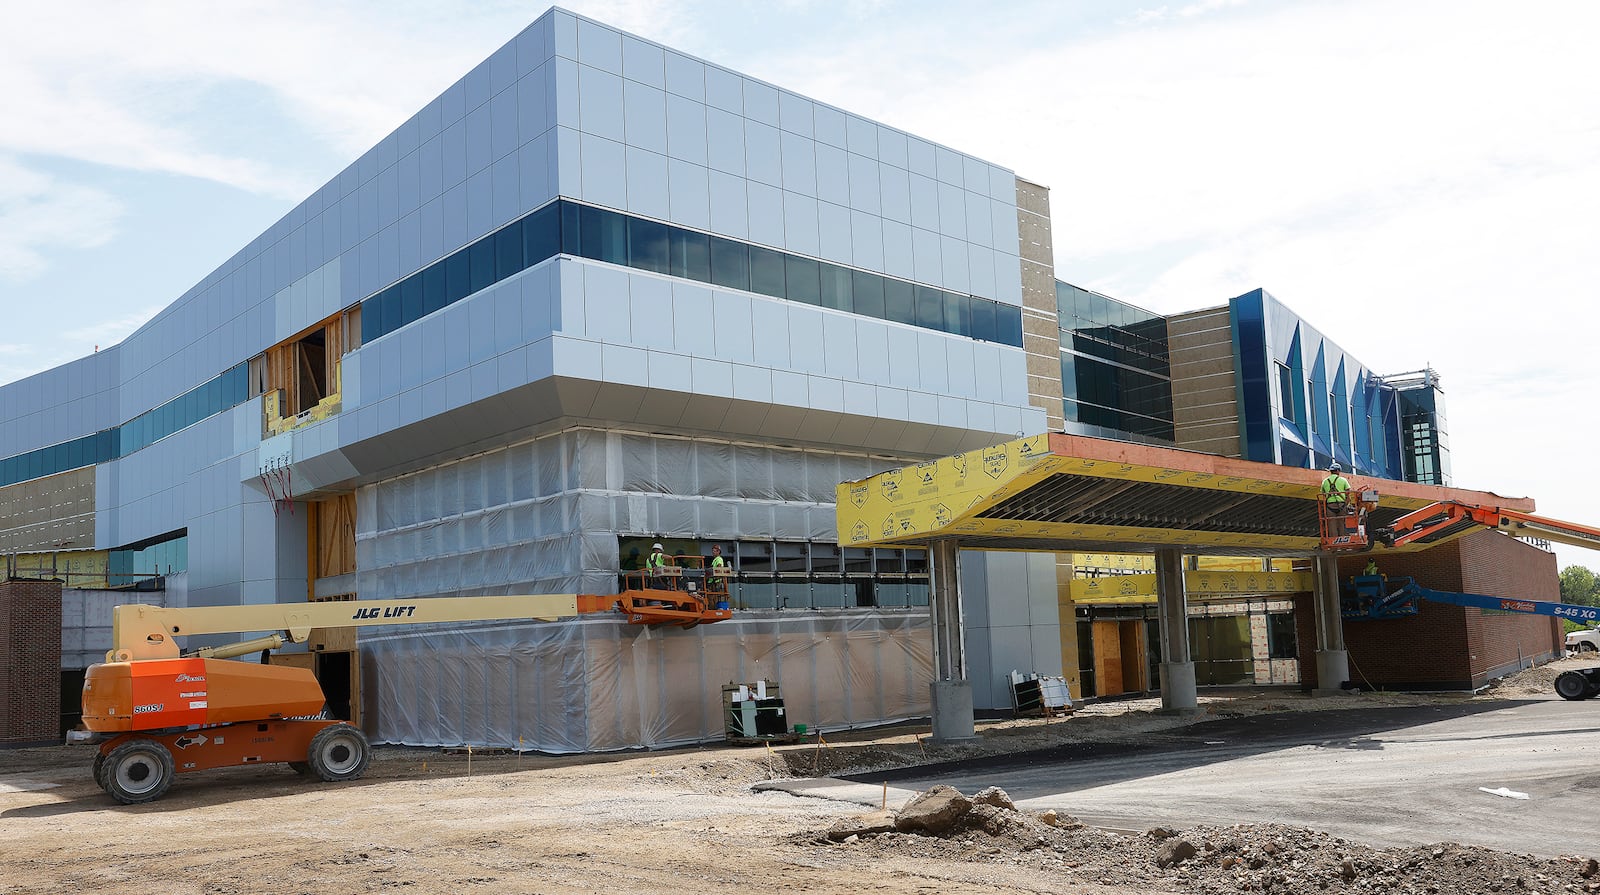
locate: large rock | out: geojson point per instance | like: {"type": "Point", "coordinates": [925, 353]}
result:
{"type": "Point", "coordinates": [933, 812]}
{"type": "Point", "coordinates": [996, 797]}
{"type": "Point", "coordinates": [1174, 851]}
{"type": "Point", "coordinates": [862, 825]}
{"type": "Point", "coordinates": [989, 819]}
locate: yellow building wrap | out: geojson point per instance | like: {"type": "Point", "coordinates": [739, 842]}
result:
{"type": "Point", "coordinates": [944, 497]}
{"type": "Point", "coordinates": [75, 568]}
{"type": "Point", "coordinates": [1119, 589]}
{"type": "Point", "coordinates": [950, 497]}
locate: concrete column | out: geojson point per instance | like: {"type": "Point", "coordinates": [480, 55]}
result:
{"type": "Point", "coordinates": [1333, 661]}
{"type": "Point", "coordinates": [1178, 692]}
{"type": "Point", "coordinates": [951, 692]}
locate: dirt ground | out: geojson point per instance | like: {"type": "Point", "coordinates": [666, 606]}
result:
{"type": "Point", "coordinates": [686, 820]}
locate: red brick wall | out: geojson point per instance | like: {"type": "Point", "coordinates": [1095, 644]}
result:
{"type": "Point", "coordinates": [30, 662]}
{"type": "Point", "coordinates": [1502, 566]}
{"type": "Point", "coordinates": [1456, 647]}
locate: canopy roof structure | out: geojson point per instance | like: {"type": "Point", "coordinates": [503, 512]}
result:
{"type": "Point", "coordinates": [1071, 493]}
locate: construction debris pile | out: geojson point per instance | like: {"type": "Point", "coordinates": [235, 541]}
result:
{"type": "Point", "coordinates": [942, 824]}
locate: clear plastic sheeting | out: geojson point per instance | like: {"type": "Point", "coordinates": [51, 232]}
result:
{"type": "Point", "coordinates": [600, 684]}
{"type": "Point", "coordinates": [545, 515]}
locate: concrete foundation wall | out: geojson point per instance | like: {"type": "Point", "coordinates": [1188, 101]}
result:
{"type": "Point", "coordinates": [86, 619]}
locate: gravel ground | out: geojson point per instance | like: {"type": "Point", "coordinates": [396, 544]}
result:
{"type": "Point", "coordinates": [1210, 860]}
{"type": "Point", "coordinates": [687, 820]}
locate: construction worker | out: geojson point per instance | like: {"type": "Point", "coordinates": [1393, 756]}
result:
{"type": "Point", "coordinates": [717, 573]}
{"type": "Point", "coordinates": [1372, 567]}
{"type": "Point", "coordinates": [655, 565]}
{"type": "Point", "coordinates": [1336, 499]}
{"type": "Point", "coordinates": [1336, 490]}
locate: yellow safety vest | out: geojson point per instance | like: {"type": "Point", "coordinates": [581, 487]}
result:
{"type": "Point", "coordinates": [1336, 488]}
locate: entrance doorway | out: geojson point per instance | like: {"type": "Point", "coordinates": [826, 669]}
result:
{"type": "Point", "coordinates": [338, 672]}
{"type": "Point", "coordinates": [1220, 647]}
{"type": "Point", "coordinates": [1119, 656]}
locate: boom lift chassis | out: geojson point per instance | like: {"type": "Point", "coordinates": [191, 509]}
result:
{"type": "Point", "coordinates": [156, 712]}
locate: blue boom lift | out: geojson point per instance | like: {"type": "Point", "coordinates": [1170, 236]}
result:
{"type": "Point", "coordinates": [1374, 597]}
{"type": "Point", "coordinates": [1380, 597]}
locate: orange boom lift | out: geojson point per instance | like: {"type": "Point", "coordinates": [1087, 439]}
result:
{"type": "Point", "coordinates": [155, 711]}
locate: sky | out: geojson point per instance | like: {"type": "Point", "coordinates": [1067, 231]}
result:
{"type": "Point", "coordinates": [1418, 179]}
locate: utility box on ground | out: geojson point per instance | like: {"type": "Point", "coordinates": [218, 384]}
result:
{"type": "Point", "coordinates": [754, 711]}
{"type": "Point", "coordinates": [1038, 694]}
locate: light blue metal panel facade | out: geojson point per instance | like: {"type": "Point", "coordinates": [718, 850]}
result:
{"type": "Point", "coordinates": [569, 108]}
{"type": "Point", "coordinates": [754, 131]}
{"type": "Point", "coordinates": [1009, 603]}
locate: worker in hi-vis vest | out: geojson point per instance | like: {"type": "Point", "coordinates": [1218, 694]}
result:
{"type": "Point", "coordinates": [655, 564]}
{"type": "Point", "coordinates": [717, 562]}
{"type": "Point", "coordinates": [1336, 489]}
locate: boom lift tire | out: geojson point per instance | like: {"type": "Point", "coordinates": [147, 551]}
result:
{"type": "Point", "coordinates": [303, 768]}
{"type": "Point", "coordinates": [1572, 685]}
{"type": "Point", "coordinates": [137, 771]}
{"type": "Point", "coordinates": [340, 752]}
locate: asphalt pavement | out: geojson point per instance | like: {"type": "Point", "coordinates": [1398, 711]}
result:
{"type": "Point", "coordinates": [1383, 775]}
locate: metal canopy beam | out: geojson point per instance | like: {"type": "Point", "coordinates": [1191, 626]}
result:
{"type": "Point", "coordinates": [1066, 493]}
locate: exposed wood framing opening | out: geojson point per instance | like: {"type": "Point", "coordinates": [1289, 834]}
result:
{"type": "Point", "coordinates": [332, 533]}
{"type": "Point", "coordinates": [301, 374]}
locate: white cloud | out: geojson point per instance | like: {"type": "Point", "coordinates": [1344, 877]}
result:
{"type": "Point", "coordinates": [1208, 6]}
{"type": "Point", "coordinates": [39, 214]}
{"type": "Point", "coordinates": [1416, 179]}
{"type": "Point", "coordinates": [202, 90]}
{"type": "Point", "coordinates": [109, 331]}
{"type": "Point", "coordinates": [136, 85]}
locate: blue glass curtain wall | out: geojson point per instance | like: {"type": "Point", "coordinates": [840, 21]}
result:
{"type": "Point", "coordinates": [1112, 397]}
{"type": "Point", "coordinates": [164, 557]}
{"type": "Point", "coordinates": [1115, 367]}
{"type": "Point", "coordinates": [587, 232]}
{"type": "Point", "coordinates": [1112, 330]}
{"type": "Point", "coordinates": [1247, 317]}
{"type": "Point", "coordinates": [1426, 452]}
{"type": "Point", "coordinates": [601, 235]}
{"type": "Point", "coordinates": [214, 396]}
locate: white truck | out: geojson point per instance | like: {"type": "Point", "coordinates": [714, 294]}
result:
{"type": "Point", "coordinates": [1584, 641]}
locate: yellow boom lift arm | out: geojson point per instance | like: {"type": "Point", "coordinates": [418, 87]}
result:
{"type": "Point", "coordinates": [142, 633]}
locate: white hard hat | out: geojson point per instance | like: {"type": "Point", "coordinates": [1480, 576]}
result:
{"type": "Point", "coordinates": [656, 547]}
